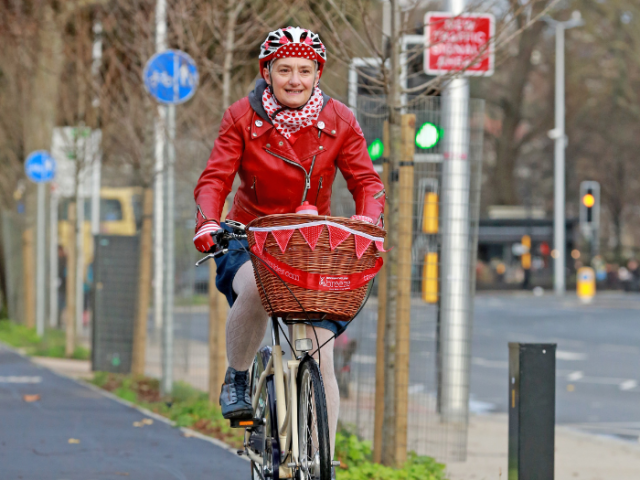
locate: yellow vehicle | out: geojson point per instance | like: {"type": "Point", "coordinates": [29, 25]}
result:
{"type": "Point", "coordinates": [120, 214]}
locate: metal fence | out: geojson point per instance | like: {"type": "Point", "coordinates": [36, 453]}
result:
{"type": "Point", "coordinates": [430, 432]}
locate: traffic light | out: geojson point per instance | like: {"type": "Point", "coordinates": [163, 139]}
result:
{"type": "Point", "coordinates": [590, 210]}
{"type": "Point", "coordinates": [428, 135]}
{"type": "Point", "coordinates": [376, 149]}
{"type": "Point", "coordinates": [525, 258]}
{"type": "Point", "coordinates": [430, 213]}
{"type": "Point", "coordinates": [430, 278]}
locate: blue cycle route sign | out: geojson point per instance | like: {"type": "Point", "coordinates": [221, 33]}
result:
{"type": "Point", "coordinates": [171, 77]}
{"type": "Point", "coordinates": [40, 167]}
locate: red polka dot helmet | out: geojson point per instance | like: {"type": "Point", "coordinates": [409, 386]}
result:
{"type": "Point", "coordinates": [292, 42]}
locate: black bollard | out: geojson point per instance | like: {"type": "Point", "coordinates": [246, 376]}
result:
{"type": "Point", "coordinates": [532, 410]}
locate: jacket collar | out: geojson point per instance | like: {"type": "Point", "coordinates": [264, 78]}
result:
{"type": "Point", "coordinates": [255, 100]}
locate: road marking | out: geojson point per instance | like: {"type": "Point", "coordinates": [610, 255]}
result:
{"type": "Point", "coordinates": [16, 379]}
{"type": "Point", "coordinates": [479, 407]}
{"type": "Point", "coordinates": [575, 376]}
{"type": "Point", "coordinates": [623, 384]}
{"type": "Point", "coordinates": [483, 362]}
{"type": "Point", "coordinates": [628, 385]}
{"type": "Point", "coordinates": [570, 356]}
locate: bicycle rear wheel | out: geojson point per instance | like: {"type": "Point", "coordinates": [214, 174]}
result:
{"type": "Point", "coordinates": [313, 426]}
{"type": "Point", "coordinates": [264, 440]}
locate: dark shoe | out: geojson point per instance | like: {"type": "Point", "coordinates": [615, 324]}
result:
{"type": "Point", "coordinates": [234, 397]}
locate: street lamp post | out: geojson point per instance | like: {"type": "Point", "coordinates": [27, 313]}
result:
{"type": "Point", "coordinates": [559, 136]}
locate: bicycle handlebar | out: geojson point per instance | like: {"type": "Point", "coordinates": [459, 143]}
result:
{"type": "Point", "coordinates": [222, 239]}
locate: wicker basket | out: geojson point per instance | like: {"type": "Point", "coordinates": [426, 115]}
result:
{"type": "Point", "coordinates": [318, 304]}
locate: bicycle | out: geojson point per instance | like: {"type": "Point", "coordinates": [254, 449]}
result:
{"type": "Point", "coordinates": [289, 434]}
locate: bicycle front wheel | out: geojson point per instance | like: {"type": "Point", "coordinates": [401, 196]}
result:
{"type": "Point", "coordinates": [313, 426]}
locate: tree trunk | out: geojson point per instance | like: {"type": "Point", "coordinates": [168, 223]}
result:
{"type": "Point", "coordinates": [218, 310]}
{"type": "Point", "coordinates": [29, 278]}
{"type": "Point", "coordinates": [395, 145]}
{"type": "Point", "coordinates": [70, 311]}
{"type": "Point", "coordinates": [381, 328]}
{"type": "Point", "coordinates": [508, 145]}
{"type": "Point", "coordinates": [144, 287]}
{"type": "Point", "coordinates": [39, 120]}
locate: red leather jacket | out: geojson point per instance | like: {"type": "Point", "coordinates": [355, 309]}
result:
{"type": "Point", "coordinates": [275, 175]}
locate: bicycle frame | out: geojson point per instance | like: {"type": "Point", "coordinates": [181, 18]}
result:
{"type": "Point", "coordinates": [286, 398]}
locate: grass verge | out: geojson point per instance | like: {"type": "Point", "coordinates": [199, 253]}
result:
{"type": "Point", "coordinates": [189, 407]}
{"type": "Point", "coordinates": [50, 345]}
{"type": "Point", "coordinates": [355, 463]}
{"type": "Point", "coordinates": [186, 406]}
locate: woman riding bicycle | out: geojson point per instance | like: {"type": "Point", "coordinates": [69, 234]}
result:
{"type": "Point", "coordinates": [285, 141]}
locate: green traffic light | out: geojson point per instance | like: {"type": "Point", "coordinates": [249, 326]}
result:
{"type": "Point", "coordinates": [376, 149]}
{"type": "Point", "coordinates": [428, 136]}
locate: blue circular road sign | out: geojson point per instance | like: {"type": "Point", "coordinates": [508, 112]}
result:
{"type": "Point", "coordinates": [40, 167]}
{"type": "Point", "coordinates": [171, 77]}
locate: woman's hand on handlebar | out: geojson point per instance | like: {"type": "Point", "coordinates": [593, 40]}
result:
{"type": "Point", "coordinates": [204, 239]}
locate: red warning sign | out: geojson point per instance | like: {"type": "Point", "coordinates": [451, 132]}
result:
{"type": "Point", "coordinates": [459, 43]}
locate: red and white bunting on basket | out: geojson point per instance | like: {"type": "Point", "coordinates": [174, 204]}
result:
{"type": "Point", "coordinates": [311, 235]}
{"type": "Point", "coordinates": [311, 232]}
{"type": "Point", "coordinates": [362, 243]}
{"type": "Point", "coordinates": [337, 236]}
{"type": "Point", "coordinates": [260, 238]}
{"type": "Point", "coordinates": [282, 237]}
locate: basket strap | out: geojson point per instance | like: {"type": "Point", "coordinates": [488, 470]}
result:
{"type": "Point", "coordinates": [317, 281]}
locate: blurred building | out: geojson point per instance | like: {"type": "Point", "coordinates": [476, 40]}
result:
{"type": "Point", "coordinates": [501, 239]}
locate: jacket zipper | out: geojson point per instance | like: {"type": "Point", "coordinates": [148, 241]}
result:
{"type": "Point", "coordinates": [379, 194]}
{"type": "Point", "coordinates": [307, 176]}
{"type": "Point", "coordinates": [319, 188]}
{"type": "Point", "coordinates": [255, 189]}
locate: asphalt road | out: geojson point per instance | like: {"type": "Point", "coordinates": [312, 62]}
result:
{"type": "Point", "coordinates": [598, 358]}
{"type": "Point", "coordinates": [74, 433]}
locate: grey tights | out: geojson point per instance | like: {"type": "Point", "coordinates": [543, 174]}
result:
{"type": "Point", "coordinates": [246, 325]}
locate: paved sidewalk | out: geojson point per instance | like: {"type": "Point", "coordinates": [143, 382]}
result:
{"type": "Point", "coordinates": [579, 456]}
{"type": "Point", "coordinates": [73, 432]}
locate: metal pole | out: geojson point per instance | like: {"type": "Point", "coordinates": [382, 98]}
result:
{"type": "Point", "coordinates": [455, 302]}
{"type": "Point", "coordinates": [159, 133]}
{"type": "Point", "coordinates": [560, 142]}
{"type": "Point", "coordinates": [53, 259]}
{"type": "Point", "coordinates": [40, 261]}
{"type": "Point", "coordinates": [79, 286]}
{"type": "Point", "coordinates": [167, 326]}
{"type": "Point", "coordinates": [96, 170]}
{"type": "Point", "coordinates": [96, 135]}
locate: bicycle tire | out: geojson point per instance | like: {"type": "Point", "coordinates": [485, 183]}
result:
{"type": "Point", "coordinates": [262, 440]}
{"type": "Point", "coordinates": [315, 459]}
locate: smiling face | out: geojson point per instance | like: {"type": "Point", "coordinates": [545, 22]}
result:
{"type": "Point", "coordinates": [292, 80]}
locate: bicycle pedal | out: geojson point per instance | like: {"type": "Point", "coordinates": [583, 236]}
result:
{"type": "Point", "coordinates": [254, 422]}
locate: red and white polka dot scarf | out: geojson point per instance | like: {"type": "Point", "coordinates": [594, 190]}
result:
{"type": "Point", "coordinates": [288, 120]}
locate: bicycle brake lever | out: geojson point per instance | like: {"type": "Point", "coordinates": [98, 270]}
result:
{"type": "Point", "coordinates": [212, 255]}
{"type": "Point", "coordinates": [204, 259]}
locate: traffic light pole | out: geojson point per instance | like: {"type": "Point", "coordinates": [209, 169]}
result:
{"type": "Point", "coordinates": [559, 242]}
{"type": "Point", "coordinates": [455, 301]}
{"type": "Point", "coordinates": [559, 136]}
